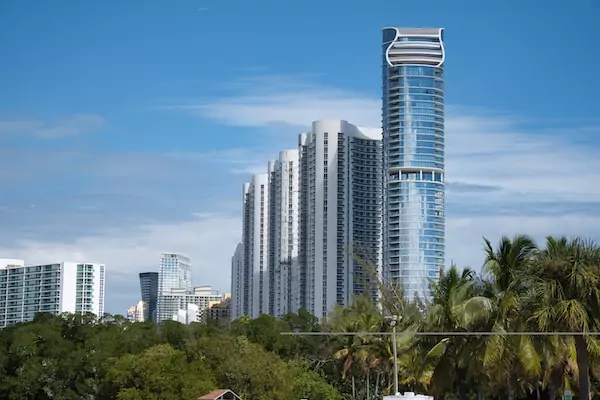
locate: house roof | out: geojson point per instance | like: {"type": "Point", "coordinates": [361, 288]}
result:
{"type": "Point", "coordinates": [220, 394]}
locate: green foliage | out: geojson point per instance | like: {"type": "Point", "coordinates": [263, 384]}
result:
{"type": "Point", "coordinates": [159, 373]}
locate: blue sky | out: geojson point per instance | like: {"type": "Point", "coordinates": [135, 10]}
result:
{"type": "Point", "coordinates": [128, 127]}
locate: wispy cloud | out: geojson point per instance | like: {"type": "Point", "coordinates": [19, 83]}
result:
{"type": "Point", "coordinates": [71, 125]}
{"type": "Point", "coordinates": [483, 147]}
{"type": "Point", "coordinates": [264, 101]}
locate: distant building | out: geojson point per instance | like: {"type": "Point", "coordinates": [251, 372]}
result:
{"type": "Point", "coordinates": [52, 288]}
{"type": "Point", "coordinates": [174, 278]}
{"type": "Point", "coordinates": [255, 274]}
{"type": "Point", "coordinates": [149, 291]}
{"type": "Point", "coordinates": [131, 313]}
{"type": "Point", "coordinates": [138, 312]}
{"type": "Point", "coordinates": [189, 315]}
{"type": "Point", "coordinates": [179, 300]}
{"type": "Point", "coordinates": [220, 312]}
{"type": "Point", "coordinates": [237, 282]}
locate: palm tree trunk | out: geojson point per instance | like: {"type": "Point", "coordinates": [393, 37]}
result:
{"type": "Point", "coordinates": [368, 387]}
{"type": "Point", "coordinates": [377, 384]}
{"type": "Point", "coordinates": [583, 364]}
{"type": "Point", "coordinates": [353, 389]}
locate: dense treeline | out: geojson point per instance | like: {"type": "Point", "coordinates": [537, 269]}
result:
{"type": "Point", "coordinates": [522, 288]}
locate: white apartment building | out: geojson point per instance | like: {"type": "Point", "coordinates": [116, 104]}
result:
{"type": "Point", "coordinates": [340, 214]}
{"type": "Point", "coordinates": [203, 297]}
{"type": "Point", "coordinates": [284, 273]}
{"type": "Point", "coordinates": [255, 274]}
{"type": "Point", "coordinates": [73, 287]}
{"type": "Point", "coordinates": [237, 282]}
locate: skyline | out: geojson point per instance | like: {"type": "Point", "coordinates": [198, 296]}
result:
{"type": "Point", "coordinates": [103, 139]}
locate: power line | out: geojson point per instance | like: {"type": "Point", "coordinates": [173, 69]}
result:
{"type": "Point", "coordinates": [441, 333]}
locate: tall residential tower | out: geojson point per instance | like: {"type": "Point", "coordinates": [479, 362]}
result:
{"type": "Point", "coordinates": [283, 235]}
{"type": "Point", "coordinates": [413, 157]}
{"type": "Point", "coordinates": [255, 238]}
{"type": "Point", "coordinates": [340, 214]}
{"type": "Point", "coordinates": [237, 282]}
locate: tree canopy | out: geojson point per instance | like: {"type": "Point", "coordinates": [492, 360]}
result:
{"type": "Point", "coordinates": [521, 288]}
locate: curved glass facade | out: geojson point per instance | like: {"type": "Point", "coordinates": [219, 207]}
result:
{"type": "Point", "coordinates": [413, 145]}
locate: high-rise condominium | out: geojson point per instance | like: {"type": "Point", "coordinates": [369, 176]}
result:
{"type": "Point", "coordinates": [283, 234]}
{"type": "Point", "coordinates": [413, 157]}
{"type": "Point", "coordinates": [174, 276]}
{"type": "Point", "coordinates": [237, 282]}
{"type": "Point", "coordinates": [149, 290]}
{"type": "Point", "coordinates": [254, 275]}
{"type": "Point", "coordinates": [340, 214]}
{"type": "Point", "coordinates": [51, 288]}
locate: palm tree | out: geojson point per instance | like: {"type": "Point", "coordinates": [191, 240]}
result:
{"type": "Point", "coordinates": [508, 357]}
{"type": "Point", "coordinates": [564, 295]}
{"type": "Point", "coordinates": [456, 306]}
{"type": "Point", "coordinates": [356, 352]}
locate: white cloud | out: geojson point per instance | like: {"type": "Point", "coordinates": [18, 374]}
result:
{"type": "Point", "coordinates": [482, 148]}
{"type": "Point", "coordinates": [285, 100]}
{"type": "Point", "coordinates": [70, 125]}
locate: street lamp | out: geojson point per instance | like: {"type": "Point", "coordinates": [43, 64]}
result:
{"type": "Point", "coordinates": [393, 320]}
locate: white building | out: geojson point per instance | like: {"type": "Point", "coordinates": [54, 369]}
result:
{"type": "Point", "coordinates": [237, 282]}
{"type": "Point", "coordinates": [192, 314]}
{"type": "Point", "coordinates": [283, 234]}
{"type": "Point", "coordinates": [340, 214]}
{"type": "Point", "coordinates": [53, 288]}
{"type": "Point", "coordinates": [408, 396]}
{"type": "Point", "coordinates": [255, 274]}
{"type": "Point", "coordinates": [203, 297]}
{"type": "Point", "coordinates": [174, 275]}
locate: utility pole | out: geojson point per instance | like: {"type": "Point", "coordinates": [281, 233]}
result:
{"type": "Point", "coordinates": [393, 322]}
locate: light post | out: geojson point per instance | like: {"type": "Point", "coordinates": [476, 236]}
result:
{"type": "Point", "coordinates": [393, 322]}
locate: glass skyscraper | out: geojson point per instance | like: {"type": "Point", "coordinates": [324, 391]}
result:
{"type": "Point", "coordinates": [174, 276]}
{"type": "Point", "coordinates": [413, 161]}
{"type": "Point", "coordinates": [149, 289]}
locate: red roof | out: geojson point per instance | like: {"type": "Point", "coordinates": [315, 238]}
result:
{"type": "Point", "coordinates": [218, 394]}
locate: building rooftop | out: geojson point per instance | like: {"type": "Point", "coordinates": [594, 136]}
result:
{"type": "Point", "coordinates": [220, 394]}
